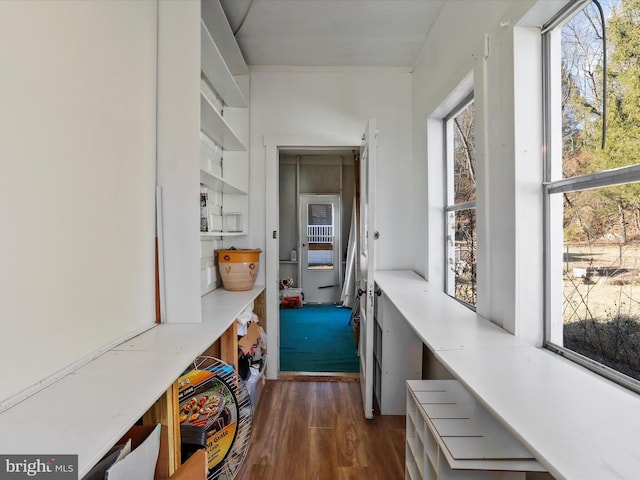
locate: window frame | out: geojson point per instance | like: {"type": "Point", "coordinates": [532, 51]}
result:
{"type": "Point", "coordinates": [450, 207]}
{"type": "Point", "coordinates": [554, 186]}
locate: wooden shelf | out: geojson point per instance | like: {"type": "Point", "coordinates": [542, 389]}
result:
{"type": "Point", "coordinates": [219, 184]}
{"type": "Point", "coordinates": [215, 127]}
{"type": "Point", "coordinates": [215, 69]}
{"type": "Point", "coordinates": [221, 234]}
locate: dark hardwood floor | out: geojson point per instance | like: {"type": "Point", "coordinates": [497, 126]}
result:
{"type": "Point", "coordinates": [306, 430]}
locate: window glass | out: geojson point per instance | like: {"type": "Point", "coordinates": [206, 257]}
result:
{"type": "Point", "coordinates": [582, 88]}
{"type": "Point", "coordinates": [593, 189]}
{"type": "Point", "coordinates": [320, 236]}
{"type": "Point", "coordinates": [601, 282]}
{"type": "Point", "coordinates": [464, 155]}
{"type": "Point", "coordinates": [463, 258]}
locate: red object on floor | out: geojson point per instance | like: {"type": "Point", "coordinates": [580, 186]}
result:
{"type": "Point", "coordinates": [292, 302]}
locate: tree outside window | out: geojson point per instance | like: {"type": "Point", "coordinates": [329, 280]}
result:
{"type": "Point", "coordinates": [594, 190]}
{"type": "Point", "coordinates": [461, 203]}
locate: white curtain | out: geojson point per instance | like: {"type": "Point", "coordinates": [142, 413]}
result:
{"type": "Point", "coordinates": [348, 286]}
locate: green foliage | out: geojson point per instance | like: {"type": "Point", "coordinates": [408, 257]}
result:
{"type": "Point", "coordinates": [583, 113]}
{"type": "Point", "coordinates": [623, 142]}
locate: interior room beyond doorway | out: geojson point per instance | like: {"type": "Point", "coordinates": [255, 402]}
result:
{"type": "Point", "coordinates": [316, 199]}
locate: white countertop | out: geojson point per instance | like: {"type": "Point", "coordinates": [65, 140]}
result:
{"type": "Point", "coordinates": [87, 411]}
{"type": "Point", "coordinates": [579, 425]}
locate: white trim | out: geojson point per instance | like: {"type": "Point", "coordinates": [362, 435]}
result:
{"type": "Point", "coordinates": [483, 186]}
{"type": "Point", "coordinates": [435, 268]}
{"type": "Point", "coordinates": [459, 94]}
{"type": "Point", "coordinates": [272, 144]}
{"type": "Point", "coordinates": [528, 318]}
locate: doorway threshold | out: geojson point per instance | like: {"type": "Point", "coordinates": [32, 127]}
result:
{"type": "Point", "coordinates": [319, 376]}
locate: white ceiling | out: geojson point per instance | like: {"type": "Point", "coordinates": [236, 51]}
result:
{"type": "Point", "coordinates": [331, 32]}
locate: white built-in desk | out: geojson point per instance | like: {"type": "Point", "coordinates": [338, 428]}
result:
{"type": "Point", "coordinates": [579, 425]}
{"type": "Point", "coordinates": [88, 410]}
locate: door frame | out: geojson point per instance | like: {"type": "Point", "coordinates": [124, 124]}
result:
{"type": "Point", "coordinates": [273, 144]}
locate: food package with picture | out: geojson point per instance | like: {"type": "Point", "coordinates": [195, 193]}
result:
{"type": "Point", "coordinates": [208, 403]}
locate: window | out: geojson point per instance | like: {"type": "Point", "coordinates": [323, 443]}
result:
{"type": "Point", "coordinates": [460, 205]}
{"type": "Point", "coordinates": [592, 189]}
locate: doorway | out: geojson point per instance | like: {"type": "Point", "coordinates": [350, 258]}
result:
{"type": "Point", "coordinates": [316, 193]}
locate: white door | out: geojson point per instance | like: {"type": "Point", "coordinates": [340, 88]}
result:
{"type": "Point", "coordinates": [366, 262]}
{"type": "Point", "coordinates": [320, 262]}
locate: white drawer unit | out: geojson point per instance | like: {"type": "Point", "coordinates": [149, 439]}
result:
{"type": "Point", "coordinates": [450, 436]}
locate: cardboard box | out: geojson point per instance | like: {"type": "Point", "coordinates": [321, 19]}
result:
{"type": "Point", "coordinates": [138, 433]}
{"type": "Point", "coordinates": [250, 339]}
{"type": "Point", "coordinates": [195, 468]}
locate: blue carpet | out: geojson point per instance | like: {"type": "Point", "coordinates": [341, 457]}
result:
{"type": "Point", "coordinates": [317, 338]}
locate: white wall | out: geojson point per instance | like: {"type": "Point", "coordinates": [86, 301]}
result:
{"type": "Point", "coordinates": [77, 157]}
{"type": "Point", "coordinates": [330, 107]}
{"type": "Point", "coordinates": [509, 151]}
{"type": "Point", "coordinates": [336, 105]}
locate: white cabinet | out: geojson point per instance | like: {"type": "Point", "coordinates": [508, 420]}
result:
{"type": "Point", "coordinates": [397, 355]}
{"type": "Point", "coordinates": [202, 151]}
{"type": "Point", "coordinates": [450, 436]}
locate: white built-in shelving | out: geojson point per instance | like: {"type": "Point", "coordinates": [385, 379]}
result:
{"type": "Point", "coordinates": [215, 126]}
{"type": "Point", "coordinates": [224, 119]}
{"type": "Point", "coordinates": [215, 69]}
{"type": "Point", "coordinates": [217, 183]}
{"type": "Point", "coordinates": [224, 139]}
{"type": "Point", "coordinates": [213, 16]}
{"type": "Point", "coordinates": [450, 436]}
{"type": "Point", "coordinates": [203, 148]}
